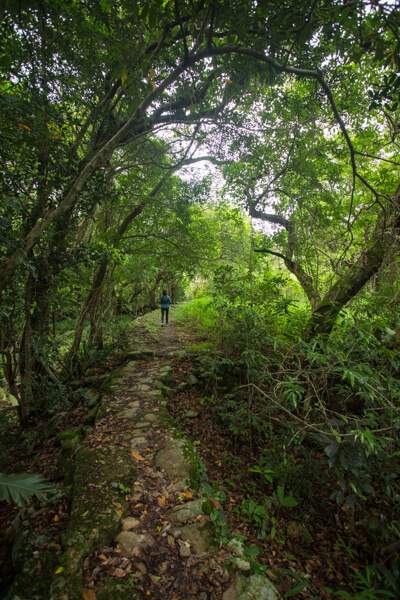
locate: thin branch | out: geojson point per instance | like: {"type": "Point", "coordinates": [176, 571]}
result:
{"type": "Point", "coordinates": [393, 162]}
{"type": "Point", "coordinates": [202, 30]}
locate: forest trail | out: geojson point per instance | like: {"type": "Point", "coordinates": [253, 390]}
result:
{"type": "Point", "coordinates": [167, 547]}
{"type": "Point", "coordinates": [139, 526]}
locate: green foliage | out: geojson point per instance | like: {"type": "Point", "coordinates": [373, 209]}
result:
{"type": "Point", "coordinates": [258, 515]}
{"type": "Point", "coordinates": [366, 586]}
{"type": "Point", "coordinates": [302, 583]}
{"type": "Point", "coordinates": [284, 501]}
{"type": "Point", "coordinates": [265, 473]}
{"type": "Point", "coordinates": [220, 521]}
{"type": "Point", "coordinates": [201, 315]}
{"type": "Point", "coordinates": [87, 357]}
{"type": "Point", "coordinates": [20, 488]}
{"type": "Point", "coordinates": [124, 489]}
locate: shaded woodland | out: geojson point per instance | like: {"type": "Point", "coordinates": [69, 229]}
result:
{"type": "Point", "coordinates": [246, 157]}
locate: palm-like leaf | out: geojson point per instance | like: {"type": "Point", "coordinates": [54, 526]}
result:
{"type": "Point", "coordinates": [21, 487]}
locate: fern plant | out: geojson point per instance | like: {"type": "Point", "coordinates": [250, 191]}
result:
{"type": "Point", "coordinates": [20, 488]}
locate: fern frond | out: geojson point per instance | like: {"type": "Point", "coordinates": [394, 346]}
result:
{"type": "Point", "coordinates": [21, 487]}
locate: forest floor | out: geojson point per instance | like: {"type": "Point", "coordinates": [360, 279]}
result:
{"type": "Point", "coordinates": [312, 549]}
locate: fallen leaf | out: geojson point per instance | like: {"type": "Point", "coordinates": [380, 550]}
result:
{"type": "Point", "coordinates": [56, 518]}
{"type": "Point", "coordinates": [161, 501]}
{"type": "Point", "coordinates": [136, 455]}
{"type": "Point", "coordinates": [88, 594]}
{"type": "Point", "coordinates": [117, 504]}
{"type": "Point", "coordinates": [117, 573]}
{"type": "Point", "coordinates": [119, 512]}
{"type": "Point", "coordinates": [102, 557]}
{"type": "Point", "coordinates": [200, 518]}
{"type": "Point", "coordinates": [214, 503]}
{"type": "Point", "coordinates": [59, 570]}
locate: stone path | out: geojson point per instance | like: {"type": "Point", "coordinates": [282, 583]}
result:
{"type": "Point", "coordinates": [139, 526]}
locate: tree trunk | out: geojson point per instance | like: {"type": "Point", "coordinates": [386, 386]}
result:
{"type": "Point", "coordinates": [359, 273]}
{"type": "Point", "coordinates": [89, 305]}
{"type": "Point", "coordinates": [37, 325]}
{"type": "Point", "coordinates": [325, 311]}
{"type": "Point", "coordinates": [153, 300]}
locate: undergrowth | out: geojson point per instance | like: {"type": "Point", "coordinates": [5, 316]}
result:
{"type": "Point", "coordinates": [324, 414]}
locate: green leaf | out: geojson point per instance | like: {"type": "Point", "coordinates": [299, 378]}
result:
{"type": "Point", "coordinates": [20, 488]}
{"type": "Point", "coordinates": [13, 399]}
{"type": "Point", "coordinates": [390, 331]}
{"type": "Point", "coordinates": [299, 587]}
{"type": "Point", "coordinates": [289, 501]}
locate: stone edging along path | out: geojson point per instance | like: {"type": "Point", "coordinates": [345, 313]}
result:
{"type": "Point", "coordinates": [136, 501]}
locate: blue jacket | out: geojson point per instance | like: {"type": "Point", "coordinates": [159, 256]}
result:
{"type": "Point", "coordinates": [165, 304]}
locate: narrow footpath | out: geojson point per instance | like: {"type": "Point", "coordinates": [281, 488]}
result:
{"type": "Point", "coordinates": [139, 526]}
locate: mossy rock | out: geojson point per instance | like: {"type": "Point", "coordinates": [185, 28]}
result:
{"type": "Point", "coordinates": [256, 586]}
{"type": "Point", "coordinates": [102, 409]}
{"type": "Point", "coordinates": [91, 398]}
{"type": "Point", "coordinates": [31, 583]}
{"type": "Point", "coordinates": [166, 377]}
{"type": "Point", "coordinates": [141, 354]}
{"type": "Point", "coordinates": [179, 460]}
{"type": "Point", "coordinates": [110, 381]}
{"type": "Point", "coordinates": [90, 417]}
{"type": "Point", "coordinates": [95, 519]}
{"type": "Point", "coordinates": [66, 436]}
{"type": "Point", "coordinates": [190, 510]}
{"type": "Point", "coordinates": [53, 424]}
{"type": "Point", "coordinates": [201, 537]}
{"type": "Point", "coordinates": [166, 419]}
{"type": "Point", "coordinates": [69, 442]}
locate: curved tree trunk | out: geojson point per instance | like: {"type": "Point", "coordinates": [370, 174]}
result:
{"type": "Point", "coordinates": [325, 311]}
{"type": "Point", "coordinates": [153, 291]}
{"type": "Point", "coordinates": [359, 273]}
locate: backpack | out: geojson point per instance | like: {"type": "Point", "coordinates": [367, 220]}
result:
{"type": "Point", "coordinates": [164, 299]}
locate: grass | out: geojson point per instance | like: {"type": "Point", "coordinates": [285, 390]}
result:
{"type": "Point", "coordinates": [200, 315]}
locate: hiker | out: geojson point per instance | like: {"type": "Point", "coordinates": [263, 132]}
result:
{"type": "Point", "coordinates": [165, 302]}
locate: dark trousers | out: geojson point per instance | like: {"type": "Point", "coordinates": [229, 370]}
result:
{"type": "Point", "coordinates": [166, 311]}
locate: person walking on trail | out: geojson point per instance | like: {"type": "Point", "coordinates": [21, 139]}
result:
{"type": "Point", "coordinates": [165, 302]}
